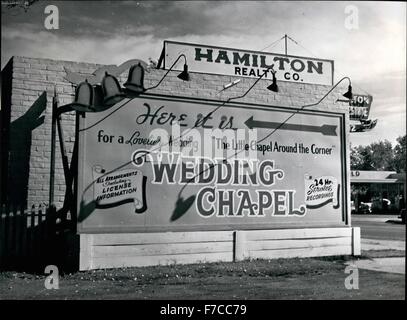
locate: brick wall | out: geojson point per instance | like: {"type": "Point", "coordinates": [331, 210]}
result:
{"type": "Point", "coordinates": [33, 82]}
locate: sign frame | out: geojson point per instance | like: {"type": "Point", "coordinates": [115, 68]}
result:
{"type": "Point", "coordinates": [242, 105]}
{"type": "Point", "coordinates": [162, 60]}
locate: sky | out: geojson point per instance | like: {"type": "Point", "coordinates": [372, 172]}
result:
{"type": "Point", "coordinates": [372, 53]}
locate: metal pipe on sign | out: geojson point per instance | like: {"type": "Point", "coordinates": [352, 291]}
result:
{"type": "Point", "coordinates": [231, 84]}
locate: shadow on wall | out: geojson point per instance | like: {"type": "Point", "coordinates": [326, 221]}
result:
{"type": "Point", "coordinates": [181, 207]}
{"type": "Point", "coordinates": [5, 79]}
{"type": "Point", "coordinates": [20, 150]}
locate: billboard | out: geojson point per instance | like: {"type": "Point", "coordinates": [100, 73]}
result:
{"type": "Point", "coordinates": [246, 63]}
{"type": "Point", "coordinates": [159, 163]}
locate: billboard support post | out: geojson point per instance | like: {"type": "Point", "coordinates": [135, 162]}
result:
{"type": "Point", "coordinates": [53, 141]}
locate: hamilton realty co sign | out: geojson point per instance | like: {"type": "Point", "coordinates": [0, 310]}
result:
{"type": "Point", "coordinates": [245, 63]}
{"type": "Point", "coordinates": [144, 167]}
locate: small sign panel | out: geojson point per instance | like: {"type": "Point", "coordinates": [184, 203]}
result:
{"type": "Point", "coordinates": [359, 107]}
{"type": "Point", "coordinates": [245, 63]}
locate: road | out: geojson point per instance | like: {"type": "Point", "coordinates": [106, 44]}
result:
{"type": "Point", "coordinates": [376, 227]}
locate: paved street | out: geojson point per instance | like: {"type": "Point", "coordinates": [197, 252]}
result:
{"type": "Point", "coordinates": [392, 265]}
{"type": "Point", "coordinates": [376, 227]}
{"type": "Point", "coordinates": [381, 232]}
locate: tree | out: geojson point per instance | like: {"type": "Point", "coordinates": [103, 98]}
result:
{"type": "Point", "coordinates": [400, 154]}
{"type": "Point", "coordinates": [376, 156]}
{"type": "Point", "coordinates": [380, 156]}
{"type": "Point", "coordinates": [356, 159]}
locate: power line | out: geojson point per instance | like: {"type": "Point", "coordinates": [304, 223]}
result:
{"type": "Point", "coordinates": [272, 44]}
{"type": "Point", "coordinates": [315, 56]}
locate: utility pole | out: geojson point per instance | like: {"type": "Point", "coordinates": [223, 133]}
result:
{"type": "Point", "coordinates": [285, 39]}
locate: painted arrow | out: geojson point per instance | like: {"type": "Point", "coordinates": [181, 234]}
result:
{"type": "Point", "coordinates": [326, 130]}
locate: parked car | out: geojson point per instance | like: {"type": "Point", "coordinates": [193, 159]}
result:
{"type": "Point", "coordinates": [352, 207]}
{"type": "Point", "coordinates": [380, 205]}
{"type": "Point", "coordinates": [387, 201]}
{"type": "Point", "coordinates": [365, 207]}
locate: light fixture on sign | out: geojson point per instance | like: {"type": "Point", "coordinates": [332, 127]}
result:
{"type": "Point", "coordinates": [98, 99]}
{"type": "Point", "coordinates": [83, 98]}
{"type": "Point", "coordinates": [348, 94]}
{"type": "Point", "coordinates": [273, 87]}
{"type": "Point", "coordinates": [111, 90]}
{"type": "Point", "coordinates": [184, 75]}
{"type": "Point", "coordinates": [135, 80]}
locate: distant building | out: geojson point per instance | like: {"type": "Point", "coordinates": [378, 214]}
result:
{"type": "Point", "coordinates": [372, 187]}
